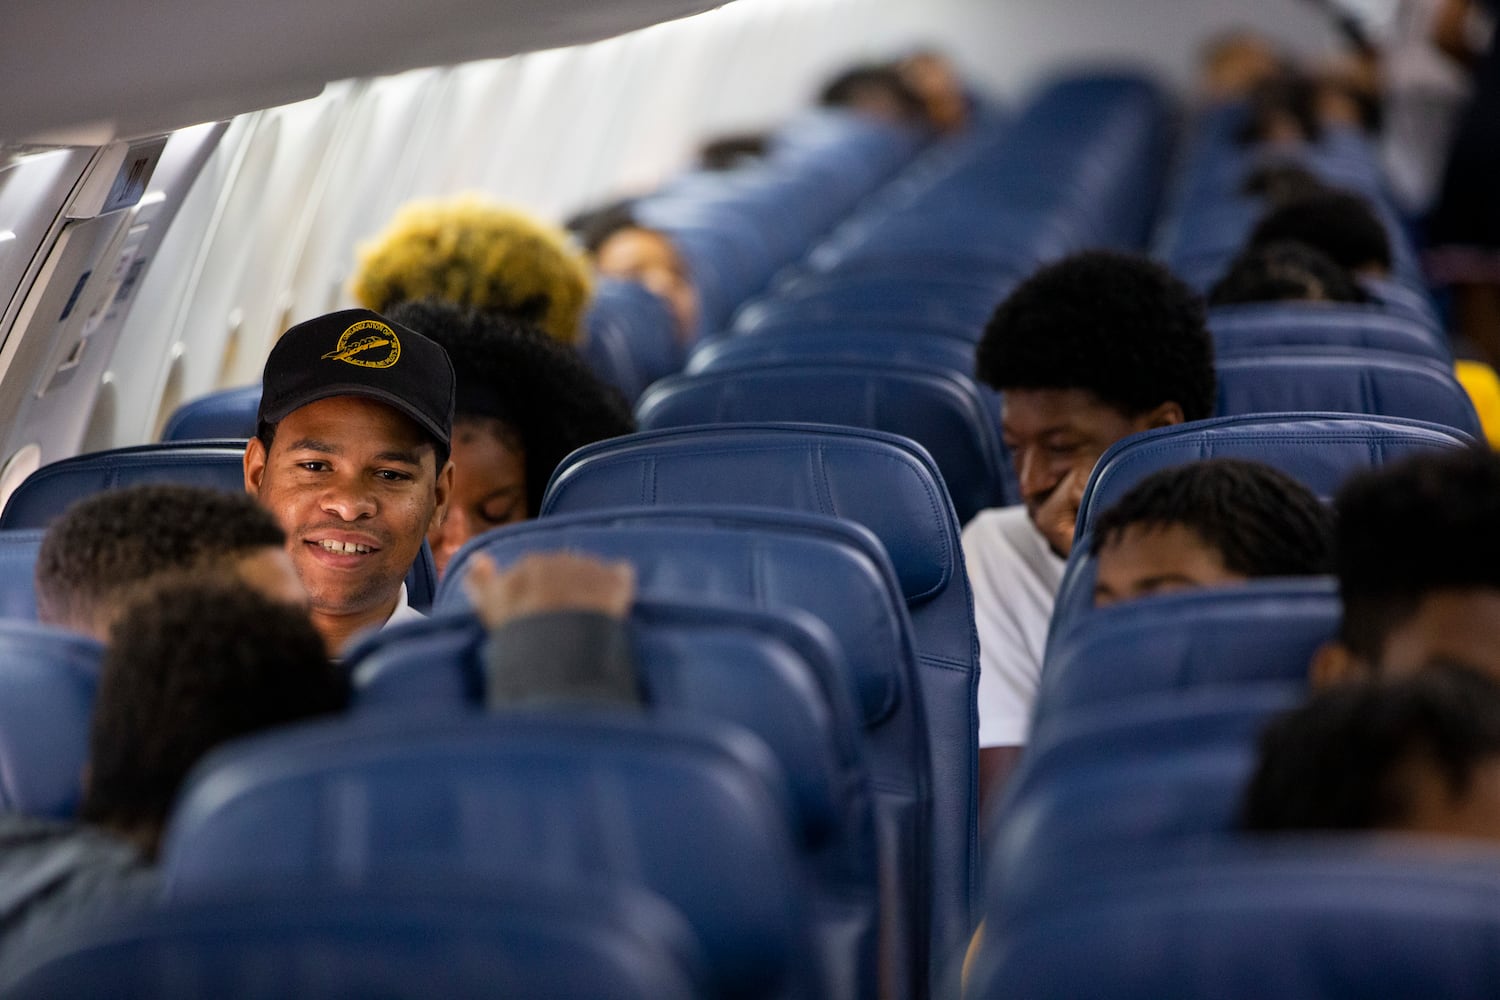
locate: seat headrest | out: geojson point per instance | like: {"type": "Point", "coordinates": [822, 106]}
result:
{"type": "Point", "coordinates": [47, 683]}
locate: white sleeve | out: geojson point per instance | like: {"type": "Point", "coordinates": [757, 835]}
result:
{"type": "Point", "coordinates": [1012, 625]}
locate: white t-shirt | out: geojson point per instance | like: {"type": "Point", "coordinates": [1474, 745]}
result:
{"type": "Point", "coordinates": [1015, 576]}
{"type": "Point", "coordinates": [404, 611]}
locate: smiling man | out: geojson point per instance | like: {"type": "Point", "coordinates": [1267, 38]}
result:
{"type": "Point", "coordinates": [351, 455]}
{"type": "Point", "coordinates": [1088, 350]}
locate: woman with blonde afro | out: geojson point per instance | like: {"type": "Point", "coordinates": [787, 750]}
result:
{"type": "Point", "coordinates": [473, 252]}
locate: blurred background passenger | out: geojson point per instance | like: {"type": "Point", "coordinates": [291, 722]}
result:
{"type": "Point", "coordinates": [523, 403]}
{"type": "Point", "coordinates": [1340, 223]}
{"type": "Point", "coordinates": [935, 80]}
{"type": "Point", "coordinates": [1284, 271]}
{"type": "Point", "coordinates": [1233, 63]}
{"type": "Point", "coordinates": [473, 252]}
{"type": "Point", "coordinates": [878, 91]}
{"type": "Point", "coordinates": [620, 246]}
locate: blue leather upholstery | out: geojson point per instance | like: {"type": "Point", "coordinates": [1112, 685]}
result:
{"type": "Point", "coordinates": [690, 811]}
{"type": "Point", "coordinates": [851, 344]}
{"type": "Point", "coordinates": [876, 480]}
{"type": "Point", "coordinates": [224, 415]}
{"type": "Point", "coordinates": [942, 411]}
{"type": "Point", "coordinates": [1264, 328]}
{"type": "Point", "coordinates": [779, 562]}
{"type": "Point", "coordinates": [47, 682]}
{"type": "Point", "coordinates": [632, 337]}
{"type": "Point", "coordinates": [915, 301]}
{"type": "Point", "coordinates": [1264, 630]}
{"type": "Point", "coordinates": [1351, 382]}
{"type": "Point", "coordinates": [521, 939]}
{"type": "Point", "coordinates": [1344, 918]}
{"type": "Point", "coordinates": [18, 551]}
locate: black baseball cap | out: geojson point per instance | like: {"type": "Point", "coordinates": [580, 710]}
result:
{"type": "Point", "coordinates": [356, 352]}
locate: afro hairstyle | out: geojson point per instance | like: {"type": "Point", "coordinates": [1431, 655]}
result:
{"type": "Point", "coordinates": [475, 253]}
{"type": "Point", "coordinates": [1285, 271]}
{"type": "Point", "coordinates": [542, 393]}
{"type": "Point", "coordinates": [1340, 223]}
{"type": "Point", "coordinates": [1118, 326]}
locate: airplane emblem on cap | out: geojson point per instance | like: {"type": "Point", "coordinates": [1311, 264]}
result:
{"type": "Point", "coordinates": [378, 335]}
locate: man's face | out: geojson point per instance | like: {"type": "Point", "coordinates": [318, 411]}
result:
{"type": "Point", "coordinates": [355, 487]}
{"type": "Point", "coordinates": [1458, 625]}
{"type": "Point", "coordinates": [1146, 559]}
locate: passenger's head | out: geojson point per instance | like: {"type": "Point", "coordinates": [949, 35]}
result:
{"type": "Point", "coordinates": [524, 402]}
{"type": "Point", "coordinates": [620, 246]}
{"type": "Point", "coordinates": [1415, 755]}
{"type": "Point", "coordinates": [351, 456]}
{"type": "Point", "coordinates": [1231, 64]}
{"type": "Point", "coordinates": [932, 77]}
{"type": "Point", "coordinates": [104, 548]}
{"type": "Point", "coordinates": [1417, 553]}
{"type": "Point", "coordinates": [730, 152]}
{"type": "Point", "coordinates": [475, 253]}
{"type": "Point", "coordinates": [191, 663]}
{"type": "Point", "coordinates": [1339, 223]}
{"type": "Point", "coordinates": [1088, 350]}
{"type": "Point", "coordinates": [1285, 271]}
{"type": "Point", "coordinates": [877, 91]}
{"type": "Point", "coordinates": [1283, 111]}
{"type": "Point", "coordinates": [1206, 524]}
{"type": "Point", "coordinates": [1277, 182]}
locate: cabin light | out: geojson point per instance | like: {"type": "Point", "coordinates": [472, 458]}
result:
{"type": "Point", "coordinates": [6, 235]}
{"type": "Point", "coordinates": [151, 198]}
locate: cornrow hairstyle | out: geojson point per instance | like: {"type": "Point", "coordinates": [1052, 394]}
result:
{"type": "Point", "coordinates": [540, 392]}
{"type": "Point", "coordinates": [105, 546]}
{"type": "Point", "coordinates": [192, 663]}
{"type": "Point", "coordinates": [1118, 326]}
{"type": "Point", "coordinates": [1261, 521]}
{"type": "Point", "coordinates": [1343, 761]}
{"type": "Point", "coordinates": [1340, 223]}
{"type": "Point", "coordinates": [472, 252]}
{"type": "Point", "coordinates": [1285, 270]}
{"type": "Point", "coordinates": [1430, 522]}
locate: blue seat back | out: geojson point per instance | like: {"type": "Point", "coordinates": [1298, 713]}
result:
{"type": "Point", "coordinates": [223, 415]}
{"type": "Point", "coordinates": [525, 938]}
{"type": "Point", "coordinates": [877, 480]}
{"type": "Point", "coordinates": [18, 552]}
{"type": "Point", "coordinates": [690, 811]}
{"type": "Point", "coordinates": [47, 683]}
{"type": "Point", "coordinates": [1263, 328]}
{"type": "Point", "coordinates": [943, 411]}
{"type": "Point", "coordinates": [1351, 382]}
{"type": "Point", "coordinates": [851, 344]}
{"type": "Point", "coordinates": [632, 337]}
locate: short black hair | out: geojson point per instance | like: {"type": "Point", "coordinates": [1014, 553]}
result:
{"type": "Point", "coordinates": [849, 87]}
{"type": "Point", "coordinates": [194, 662]}
{"type": "Point", "coordinates": [1119, 326]}
{"type": "Point", "coordinates": [1276, 182]}
{"type": "Point", "coordinates": [1285, 271]}
{"type": "Point", "coordinates": [730, 152]}
{"type": "Point", "coordinates": [1429, 522]}
{"type": "Point", "coordinates": [1343, 761]}
{"type": "Point", "coordinates": [1261, 521]}
{"type": "Point", "coordinates": [539, 390]}
{"type": "Point", "coordinates": [1340, 223]}
{"type": "Point", "coordinates": [593, 227]}
{"type": "Point", "coordinates": [106, 545]}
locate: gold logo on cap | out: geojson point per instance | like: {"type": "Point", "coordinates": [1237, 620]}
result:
{"type": "Point", "coordinates": [367, 338]}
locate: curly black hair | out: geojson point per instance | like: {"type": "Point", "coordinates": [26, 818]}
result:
{"type": "Point", "coordinates": [1119, 326]}
{"type": "Point", "coordinates": [540, 391]}
{"type": "Point", "coordinates": [193, 662]}
{"type": "Point", "coordinates": [1261, 521]}
{"type": "Point", "coordinates": [1277, 181]}
{"type": "Point", "coordinates": [1343, 760]}
{"type": "Point", "coordinates": [593, 227]}
{"type": "Point", "coordinates": [1283, 271]}
{"type": "Point", "coordinates": [1340, 223]}
{"type": "Point", "coordinates": [1427, 523]}
{"type": "Point", "coordinates": [106, 545]}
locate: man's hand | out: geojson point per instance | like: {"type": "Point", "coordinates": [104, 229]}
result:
{"type": "Point", "coordinates": [552, 581]}
{"type": "Point", "coordinates": [1058, 514]}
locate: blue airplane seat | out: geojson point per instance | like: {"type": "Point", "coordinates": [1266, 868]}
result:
{"type": "Point", "coordinates": [632, 337]}
{"type": "Point", "coordinates": [967, 330]}
{"type": "Point", "coordinates": [1347, 917]}
{"type": "Point", "coordinates": [47, 682]}
{"type": "Point", "coordinates": [689, 810]}
{"type": "Point", "coordinates": [880, 481]}
{"type": "Point", "coordinates": [968, 310]}
{"type": "Point", "coordinates": [1263, 328]}
{"type": "Point", "coordinates": [851, 343]}
{"type": "Point", "coordinates": [1350, 381]}
{"type": "Point", "coordinates": [228, 414]}
{"type": "Point", "coordinates": [780, 676]}
{"type": "Point", "coordinates": [18, 552]}
{"type": "Point", "coordinates": [943, 411]}
{"type": "Point", "coordinates": [1260, 631]}
{"type": "Point", "coordinates": [524, 938]}
{"type": "Point", "coordinates": [776, 561]}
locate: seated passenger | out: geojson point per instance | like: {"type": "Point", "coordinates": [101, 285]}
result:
{"type": "Point", "coordinates": [107, 546]}
{"type": "Point", "coordinates": [1284, 271]}
{"type": "Point", "coordinates": [1417, 553]}
{"type": "Point", "coordinates": [351, 456]}
{"type": "Point", "coordinates": [1086, 351]}
{"type": "Point", "coordinates": [1276, 182]}
{"type": "Point", "coordinates": [1207, 524]}
{"type": "Point", "coordinates": [730, 152]}
{"type": "Point", "coordinates": [523, 403]}
{"type": "Point", "coordinates": [1419, 755]}
{"type": "Point", "coordinates": [1283, 111]}
{"type": "Point", "coordinates": [1232, 64]}
{"type": "Point", "coordinates": [876, 91]}
{"type": "Point", "coordinates": [932, 76]}
{"type": "Point", "coordinates": [620, 246]}
{"type": "Point", "coordinates": [1339, 223]}
{"type": "Point", "coordinates": [472, 252]}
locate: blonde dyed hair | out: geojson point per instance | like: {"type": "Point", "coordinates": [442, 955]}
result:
{"type": "Point", "coordinates": [473, 252]}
